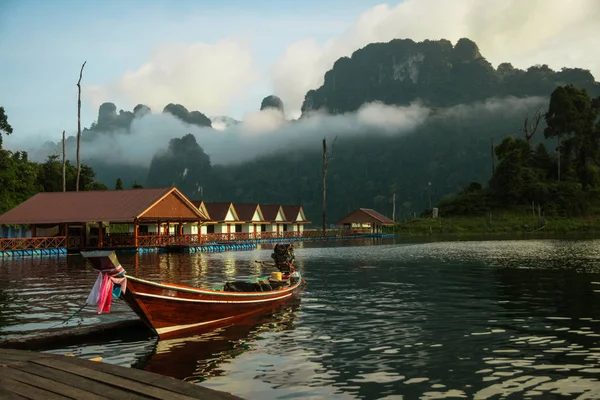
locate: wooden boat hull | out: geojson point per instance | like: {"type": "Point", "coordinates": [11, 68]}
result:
{"type": "Point", "coordinates": [173, 310]}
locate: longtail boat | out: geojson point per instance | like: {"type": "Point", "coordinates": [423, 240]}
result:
{"type": "Point", "coordinates": [171, 310]}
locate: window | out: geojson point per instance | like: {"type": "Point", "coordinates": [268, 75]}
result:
{"type": "Point", "coordinates": [210, 228]}
{"type": "Point", "coordinates": [263, 228]}
{"type": "Point", "coordinates": [238, 227]}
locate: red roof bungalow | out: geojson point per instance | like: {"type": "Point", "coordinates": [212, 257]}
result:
{"type": "Point", "coordinates": [296, 219]}
{"type": "Point", "coordinates": [252, 217]}
{"type": "Point", "coordinates": [365, 220]}
{"type": "Point", "coordinates": [223, 217]}
{"type": "Point", "coordinates": [111, 218]}
{"type": "Point", "coordinates": [276, 218]}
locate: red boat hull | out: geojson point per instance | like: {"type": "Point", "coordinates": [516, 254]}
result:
{"type": "Point", "coordinates": [174, 310]}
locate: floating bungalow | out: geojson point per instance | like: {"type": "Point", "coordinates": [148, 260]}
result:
{"type": "Point", "coordinates": [111, 218]}
{"type": "Point", "coordinates": [137, 218]}
{"type": "Point", "coordinates": [364, 221]}
{"type": "Point", "coordinates": [254, 220]}
{"type": "Point", "coordinates": [158, 218]}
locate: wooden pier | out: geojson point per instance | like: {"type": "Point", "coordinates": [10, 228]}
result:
{"type": "Point", "coordinates": [32, 375]}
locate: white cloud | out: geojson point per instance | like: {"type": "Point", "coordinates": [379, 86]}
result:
{"type": "Point", "coordinates": [200, 76]}
{"type": "Point", "coordinates": [554, 32]}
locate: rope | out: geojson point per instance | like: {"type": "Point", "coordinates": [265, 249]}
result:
{"type": "Point", "coordinates": [72, 315]}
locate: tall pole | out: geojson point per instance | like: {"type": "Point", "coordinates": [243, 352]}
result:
{"type": "Point", "coordinates": [558, 158]}
{"type": "Point", "coordinates": [394, 208]}
{"type": "Point", "coordinates": [327, 157]}
{"type": "Point", "coordinates": [64, 163]}
{"type": "Point", "coordinates": [324, 185]}
{"type": "Point", "coordinates": [429, 194]}
{"type": "Point", "coordinates": [79, 127]}
{"type": "Point", "coordinates": [493, 158]}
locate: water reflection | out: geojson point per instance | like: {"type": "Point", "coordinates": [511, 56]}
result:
{"type": "Point", "coordinates": [201, 356]}
{"type": "Point", "coordinates": [483, 320]}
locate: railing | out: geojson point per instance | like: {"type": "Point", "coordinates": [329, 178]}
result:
{"type": "Point", "coordinates": [160, 240]}
{"type": "Point", "coordinates": [36, 243]}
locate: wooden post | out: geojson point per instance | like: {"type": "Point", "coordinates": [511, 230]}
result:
{"type": "Point", "coordinates": [79, 127]}
{"type": "Point", "coordinates": [135, 232]}
{"type": "Point", "coordinates": [324, 216]}
{"type": "Point", "coordinates": [100, 238]}
{"type": "Point", "coordinates": [493, 157]}
{"type": "Point", "coordinates": [558, 157]}
{"type": "Point", "coordinates": [327, 158]}
{"type": "Point", "coordinates": [67, 235]}
{"type": "Point", "coordinates": [64, 162]}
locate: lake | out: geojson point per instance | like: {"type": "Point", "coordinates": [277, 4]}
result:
{"type": "Point", "coordinates": [379, 319]}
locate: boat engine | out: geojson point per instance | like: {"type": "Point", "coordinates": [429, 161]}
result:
{"type": "Point", "coordinates": [283, 255]}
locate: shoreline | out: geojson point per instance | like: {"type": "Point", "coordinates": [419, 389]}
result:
{"type": "Point", "coordinates": [500, 224]}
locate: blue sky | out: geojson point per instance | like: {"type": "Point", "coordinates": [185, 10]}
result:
{"type": "Point", "coordinates": [44, 43]}
{"type": "Point", "coordinates": [222, 57]}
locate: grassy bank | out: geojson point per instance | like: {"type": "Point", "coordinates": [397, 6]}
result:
{"type": "Point", "coordinates": [498, 223]}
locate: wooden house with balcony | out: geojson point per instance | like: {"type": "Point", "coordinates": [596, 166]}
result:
{"type": "Point", "coordinates": [224, 220]}
{"type": "Point", "coordinates": [96, 219]}
{"type": "Point", "coordinates": [364, 221]}
{"type": "Point", "coordinates": [296, 220]}
{"type": "Point", "coordinates": [253, 219]}
{"type": "Point", "coordinates": [276, 219]}
{"type": "Point", "coordinates": [202, 207]}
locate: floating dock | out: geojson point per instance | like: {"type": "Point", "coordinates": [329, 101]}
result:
{"type": "Point", "coordinates": [32, 375]}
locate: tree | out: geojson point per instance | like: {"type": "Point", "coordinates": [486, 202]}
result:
{"type": "Point", "coordinates": [571, 115]}
{"type": "Point", "coordinates": [529, 128]}
{"type": "Point", "coordinates": [136, 186]}
{"type": "Point", "coordinates": [119, 184]}
{"type": "Point", "coordinates": [79, 126]}
{"type": "Point", "coordinates": [4, 125]}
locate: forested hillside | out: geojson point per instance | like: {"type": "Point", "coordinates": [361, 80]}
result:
{"type": "Point", "coordinates": [470, 104]}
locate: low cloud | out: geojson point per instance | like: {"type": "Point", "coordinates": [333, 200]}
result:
{"type": "Point", "coordinates": [266, 132]}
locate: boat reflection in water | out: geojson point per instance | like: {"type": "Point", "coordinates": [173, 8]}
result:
{"type": "Point", "coordinates": [197, 358]}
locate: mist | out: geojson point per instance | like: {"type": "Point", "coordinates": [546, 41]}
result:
{"type": "Point", "coordinates": [259, 133]}
{"type": "Point", "coordinates": [267, 132]}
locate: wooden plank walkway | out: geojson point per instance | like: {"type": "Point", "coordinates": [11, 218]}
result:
{"type": "Point", "coordinates": [32, 375]}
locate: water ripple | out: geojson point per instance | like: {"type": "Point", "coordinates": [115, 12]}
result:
{"type": "Point", "coordinates": [483, 320]}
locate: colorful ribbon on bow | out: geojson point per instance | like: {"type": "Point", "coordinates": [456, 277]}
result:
{"type": "Point", "coordinates": [102, 292]}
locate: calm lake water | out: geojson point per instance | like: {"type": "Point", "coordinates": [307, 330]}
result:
{"type": "Point", "coordinates": [464, 319]}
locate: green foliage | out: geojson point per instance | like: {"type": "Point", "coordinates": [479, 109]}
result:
{"type": "Point", "coordinates": [4, 125]}
{"type": "Point", "coordinates": [137, 186]}
{"type": "Point", "coordinates": [526, 176]}
{"type": "Point", "coordinates": [440, 75]}
{"type": "Point", "coordinates": [20, 178]}
{"type": "Point", "coordinates": [499, 222]}
{"type": "Point", "coordinates": [119, 184]}
{"type": "Point", "coordinates": [184, 164]}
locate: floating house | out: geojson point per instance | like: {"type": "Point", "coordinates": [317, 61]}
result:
{"type": "Point", "coordinates": [223, 217]}
{"type": "Point", "coordinates": [275, 217]}
{"type": "Point", "coordinates": [364, 221]}
{"type": "Point", "coordinates": [102, 218]}
{"type": "Point", "coordinates": [296, 219]}
{"type": "Point", "coordinates": [136, 218]}
{"type": "Point", "coordinates": [253, 218]}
